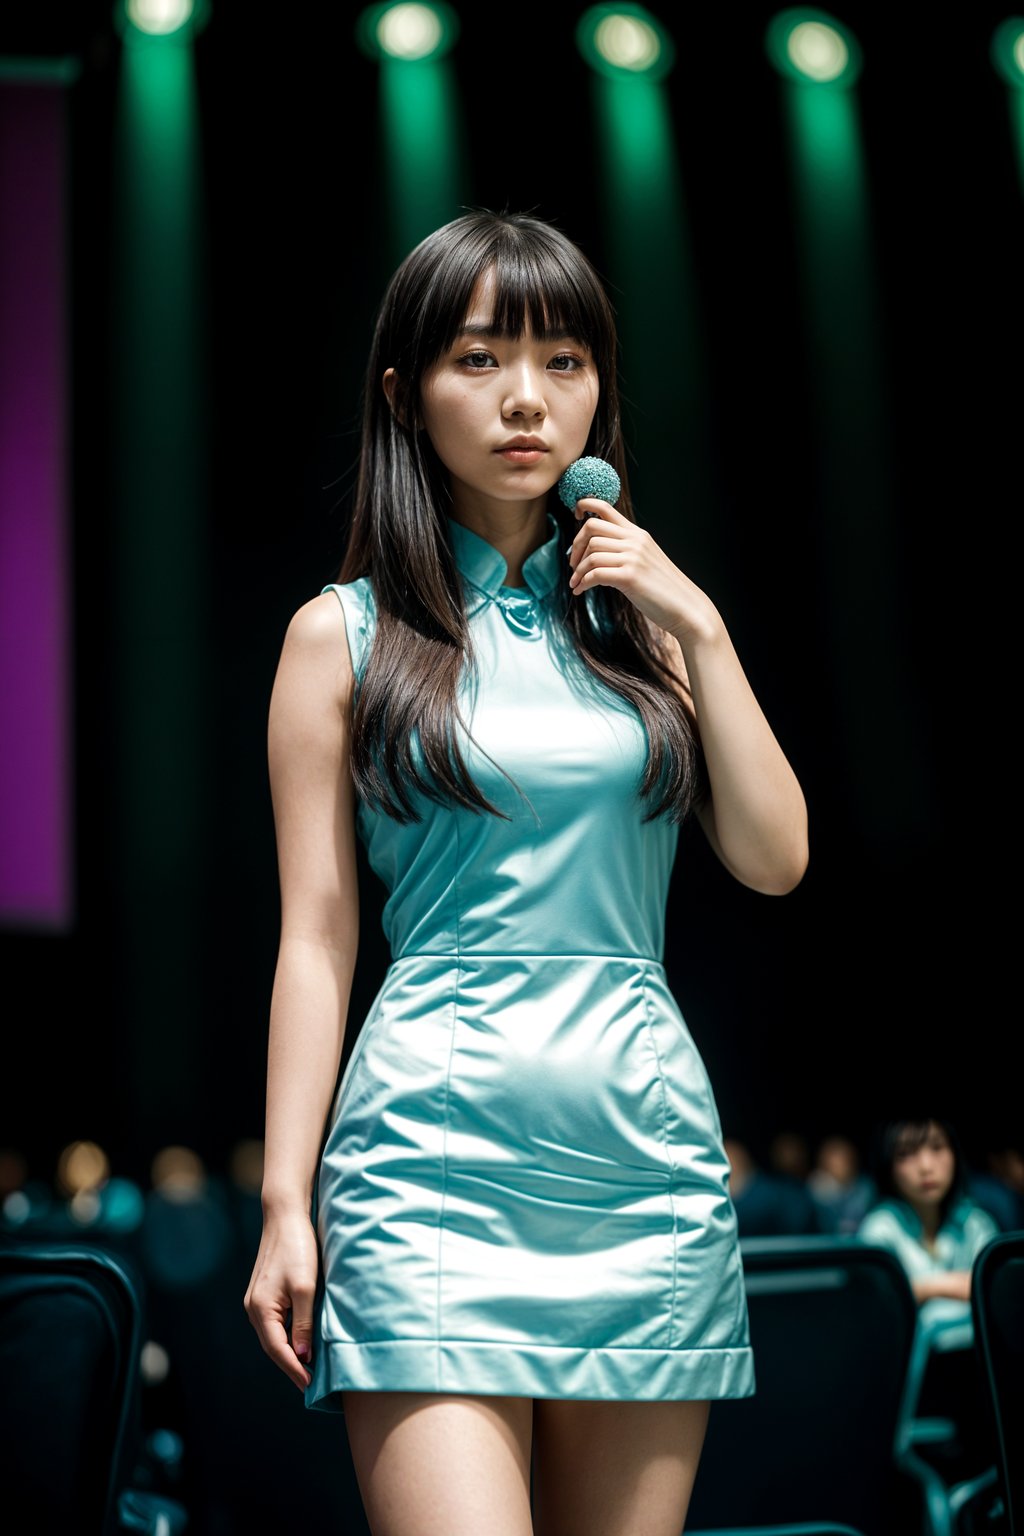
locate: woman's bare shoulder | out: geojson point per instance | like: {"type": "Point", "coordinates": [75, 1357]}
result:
{"type": "Point", "coordinates": [316, 621]}
{"type": "Point", "coordinates": [315, 658]}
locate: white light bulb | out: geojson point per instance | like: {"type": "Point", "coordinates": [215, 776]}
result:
{"type": "Point", "coordinates": [817, 50]}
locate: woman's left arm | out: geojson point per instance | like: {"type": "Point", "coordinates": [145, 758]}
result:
{"type": "Point", "coordinates": [755, 817]}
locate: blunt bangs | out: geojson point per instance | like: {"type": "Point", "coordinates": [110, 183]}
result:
{"type": "Point", "coordinates": [537, 276]}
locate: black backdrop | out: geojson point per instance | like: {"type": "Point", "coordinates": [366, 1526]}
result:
{"type": "Point", "coordinates": [882, 975]}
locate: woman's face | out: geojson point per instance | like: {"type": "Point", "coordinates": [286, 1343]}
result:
{"type": "Point", "coordinates": [924, 1175]}
{"type": "Point", "coordinates": [488, 389]}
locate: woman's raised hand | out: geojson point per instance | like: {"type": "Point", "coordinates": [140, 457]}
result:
{"type": "Point", "coordinates": [610, 551]}
{"type": "Point", "coordinates": [284, 1277]}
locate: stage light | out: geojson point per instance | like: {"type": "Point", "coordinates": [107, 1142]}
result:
{"type": "Point", "coordinates": [158, 16]}
{"type": "Point", "coordinates": [625, 41]}
{"type": "Point", "coordinates": [412, 33]}
{"type": "Point", "coordinates": [1008, 58]}
{"type": "Point", "coordinates": [817, 51]}
{"type": "Point", "coordinates": [421, 133]}
{"type": "Point", "coordinates": [156, 21]}
{"type": "Point", "coordinates": [813, 48]}
{"type": "Point", "coordinates": [157, 434]}
{"type": "Point", "coordinates": [1008, 51]}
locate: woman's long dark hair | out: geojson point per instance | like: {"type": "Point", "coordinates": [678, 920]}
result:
{"type": "Point", "coordinates": [906, 1136]}
{"type": "Point", "coordinates": [399, 534]}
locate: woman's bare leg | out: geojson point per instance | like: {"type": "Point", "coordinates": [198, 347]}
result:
{"type": "Point", "coordinates": [441, 1463]}
{"type": "Point", "coordinates": [615, 1468]}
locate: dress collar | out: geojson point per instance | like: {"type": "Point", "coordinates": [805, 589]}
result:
{"type": "Point", "coordinates": [485, 568]}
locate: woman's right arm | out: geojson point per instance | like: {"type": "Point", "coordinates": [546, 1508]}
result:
{"type": "Point", "coordinates": [308, 740]}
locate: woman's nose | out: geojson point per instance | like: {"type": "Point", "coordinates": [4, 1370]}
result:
{"type": "Point", "coordinates": [525, 391]}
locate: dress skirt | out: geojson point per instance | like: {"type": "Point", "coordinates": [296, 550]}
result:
{"type": "Point", "coordinates": [524, 1191]}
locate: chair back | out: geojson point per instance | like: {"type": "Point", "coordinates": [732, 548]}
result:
{"type": "Point", "coordinates": [997, 1310]}
{"type": "Point", "coordinates": [69, 1350]}
{"type": "Point", "coordinates": [831, 1326]}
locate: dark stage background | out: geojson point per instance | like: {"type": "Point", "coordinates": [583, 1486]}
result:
{"type": "Point", "coordinates": [880, 983]}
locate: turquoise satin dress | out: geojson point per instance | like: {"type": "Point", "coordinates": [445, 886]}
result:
{"type": "Point", "coordinates": [523, 1187]}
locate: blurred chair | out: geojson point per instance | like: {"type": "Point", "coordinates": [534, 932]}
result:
{"type": "Point", "coordinates": [814, 1529]}
{"type": "Point", "coordinates": [70, 1394]}
{"type": "Point", "coordinates": [947, 1505]}
{"type": "Point", "coordinates": [831, 1324]}
{"type": "Point", "coordinates": [997, 1310]}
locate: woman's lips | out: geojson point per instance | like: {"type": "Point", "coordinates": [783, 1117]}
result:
{"type": "Point", "coordinates": [522, 455]}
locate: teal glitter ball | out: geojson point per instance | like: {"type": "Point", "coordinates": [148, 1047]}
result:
{"type": "Point", "coordinates": [589, 477]}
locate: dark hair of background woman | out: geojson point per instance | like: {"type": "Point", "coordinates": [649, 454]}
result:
{"type": "Point", "coordinates": [907, 1135]}
{"type": "Point", "coordinates": [399, 535]}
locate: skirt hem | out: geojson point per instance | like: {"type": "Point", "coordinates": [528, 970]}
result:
{"type": "Point", "coordinates": [527, 1370]}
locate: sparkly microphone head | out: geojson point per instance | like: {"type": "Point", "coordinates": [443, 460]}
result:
{"type": "Point", "coordinates": [589, 477]}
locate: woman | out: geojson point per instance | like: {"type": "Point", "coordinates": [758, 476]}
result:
{"type": "Point", "coordinates": [510, 1234]}
{"type": "Point", "coordinates": [928, 1219]}
{"type": "Point", "coordinates": [926, 1214]}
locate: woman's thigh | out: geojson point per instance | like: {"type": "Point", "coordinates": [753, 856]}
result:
{"type": "Point", "coordinates": [615, 1468]}
{"type": "Point", "coordinates": [441, 1463]}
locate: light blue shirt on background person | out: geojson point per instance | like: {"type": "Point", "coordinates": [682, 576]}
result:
{"type": "Point", "coordinates": [894, 1224]}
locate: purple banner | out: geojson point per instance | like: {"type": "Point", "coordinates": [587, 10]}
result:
{"type": "Point", "coordinates": [36, 768]}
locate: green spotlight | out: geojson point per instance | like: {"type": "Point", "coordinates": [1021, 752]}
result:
{"type": "Point", "coordinates": [154, 21]}
{"type": "Point", "coordinates": [1008, 57]}
{"type": "Point", "coordinates": [414, 33]}
{"type": "Point", "coordinates": [160, 16]}
{"type": "Point", "coordinates": [625, 41]}
{"type": "Point", "coordinates": [1008, 51]}
{"type": "Point", "coordinates": [813, 47]}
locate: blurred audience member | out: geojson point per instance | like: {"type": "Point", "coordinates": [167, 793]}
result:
{"type": "Point", "coordinates": [927, 1217]}
{"type": "Point", "coordinates": [1001, 1190]}
{"type": "Point", "coordinates": [789, 1155]}
{"type": "Point", "coordinates": [1007, 1163]}
{"type": "Point", "coordinates": [768, 1204]}
{"type": "Point", "coordinates": [842, 1193]}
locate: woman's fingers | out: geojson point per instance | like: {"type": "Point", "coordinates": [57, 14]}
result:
{"type": "Point", "coordinates": [274, 1338]}
{"type": "Point", "coordinates": [284, 1280]}
{"type": "Point", "coordinates": [268, 1320]}
{"type": "Point", "coordinates": [302, 1321]}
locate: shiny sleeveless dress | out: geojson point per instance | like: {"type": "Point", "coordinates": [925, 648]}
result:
{"type": "Point", "coordinates": [523, 1187]}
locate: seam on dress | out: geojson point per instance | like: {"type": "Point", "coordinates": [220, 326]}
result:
{"type": "Point", "coordinates": [668, 1154]}
{"type": "Point", "coordinates": [444, 1176]}
{"type": "Point", "coordinates": [447, 1103]}
{"type": "Point", "coordinates": [521, 954]}
{"type": "Point", "coordinates": [522, 1351]}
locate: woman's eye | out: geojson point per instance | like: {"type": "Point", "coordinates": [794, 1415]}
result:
{"type": "Point", "coordinates": [568, 358]}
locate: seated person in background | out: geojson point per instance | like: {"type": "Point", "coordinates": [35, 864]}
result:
{"type": "Point", "coordinates": [927, 1218]}
{"type": "Point", "coordinates": [999, 1188]}
{"type": "Point", "coordinates": [841, 1192]}
{"type": "Point", "coordinates": [789, 1155]}
{"type": "Point", "coordinates": [768, 1204]}
{"type": "Point", "coordinates": [926, 1214]}
{"type": "Point", "coordinates": [1007, 1165]}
